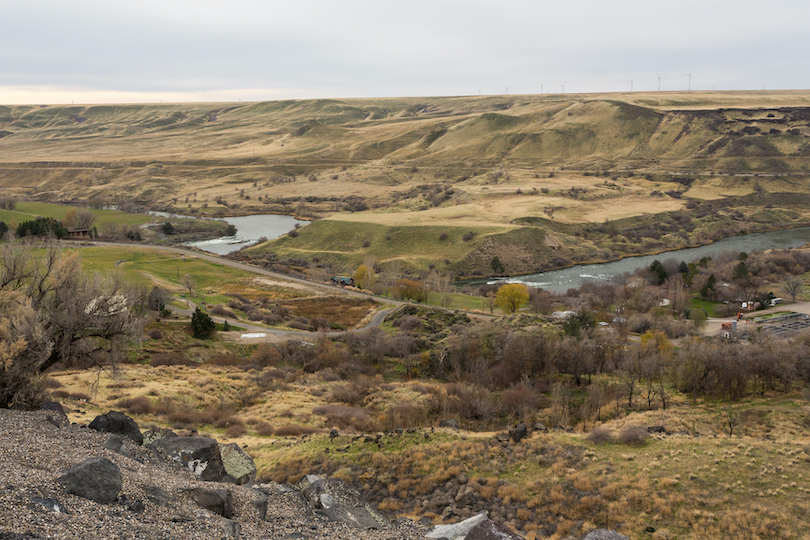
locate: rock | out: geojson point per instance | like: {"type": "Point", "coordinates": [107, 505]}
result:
{"type": "Point", "coordinates": [604, 534]}
{"type": "Point", "coordinates": [200, 454]}
{"type": "Point", "coordinates": [230, 528]}
{"type": "Point", "coordinates": [336, 500]}
{"type": "Point", "coordinates": [57, 417]}
{"type": "Point", "coordinates": [97, 479]}
{"type": "Point", "coordinates": [448, 513]}
{"type": "Point", "coordinates": [502, 437]}
{"type": "Point", "coordinates": [156, 495]}
{"type": "Point", "coordinates": [656, 429]}
{"type": "Point", "coordinates": [539, 426]}
{"type": "Point", "coordinates": [519, 432]}
{"type": "Point", "coordinates": [219, 501]}
{"type": "Point", "coordinates": [449, 423]}
{"type": "Point", "coordinates": [51, 505]}
{"type": "Point", "coordinates": [681, 433]}
{"type": "Point", "coordinates": [259, 502]}
{"type": "Point", "coordinates": [489, 530]}
{"type": "Point", "coordinates": [118, 423]}
{"type": "Point", "coordinates": [237, 463]}
{"type": "Point", "coordinates": [558, 428]}
{"type": "Point", "coordinates": [456, 531]}
{"type": "Point", "coordinates": [157, 433]}
{"type": "Point", "coordinates": [116, 444]}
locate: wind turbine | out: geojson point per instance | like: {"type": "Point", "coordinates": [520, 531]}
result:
{"type": "Point", "coordinates": [631, 85]}
{"type": "Point", "coordinates": [659, 81]}
{"type": "Point", "coordinates": [506, 90]}
{"type": "Point", "coordinates": [541, 87]}
{"type": "Point", "coordinates": [479, 90]}
{"type": "Point", "coordinates": [562, 86]}
{"type": "Point", "coordinates": [690, 80]}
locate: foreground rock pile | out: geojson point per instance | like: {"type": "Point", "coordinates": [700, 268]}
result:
{"type": "Point", "coordinates": [59, 480]}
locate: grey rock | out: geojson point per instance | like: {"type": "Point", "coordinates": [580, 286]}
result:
{"type": "Point", "coordinates": [539, 426]}
{"type": "Point", "coordinates": [657, 429]}
{"type": "Point", "coordinates": [519, 432]}
{"type": "Point", "coordinates": [116, 444]}
{"type": "Point", "coordinates": [238, 464]}
{"type": "Point", "coordinates": [118, 423]}
{"type": "Point", "coordinates": [336, 500]}
{"type": "Point", "coordinates": [51, 505]}
{"type": "Point", "coordinates": [604, 534]}
{"type": "Point", "coordinates": [259, 502]}
{"type": "Point", "coordinates": [456, 531]}
{"type": "Point", "coordinates": [157, 495]}
{"type": "Point", "coordinates": [231, 528]}
{"type": "Point", "coordinates": [219, 501]}
{"type": "Point", "coordinates": [57, 415]}
{"type": "Point", "coordinates": [181, 518]}
{"type": "Point", "coordinates": [157, 433]}
{"type": "Point", "coordinates": [97, 479]}
{"type": "Point", "coordinates": [489, 530]}
{"type": "Point", "coordinates": [449, 423]}
{"type": "Point", "coordinates": [502, 437]}
{"type": "Point", "coordinates": [199, 454]}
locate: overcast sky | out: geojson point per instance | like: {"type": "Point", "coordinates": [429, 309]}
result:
{"type": "Point", "coordinates": [92, 51]}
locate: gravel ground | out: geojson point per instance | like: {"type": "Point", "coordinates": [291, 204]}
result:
{"type": "Point", "coordinates": [35, 448]}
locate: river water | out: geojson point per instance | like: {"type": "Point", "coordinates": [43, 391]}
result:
{"type": "Point", "coordinates": [248, 230]}
{"type": "Point", "coordinates": [562, 280]}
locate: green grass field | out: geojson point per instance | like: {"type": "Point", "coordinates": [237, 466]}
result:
{"type": "Point", "coordinates": [151, 267]}
{"type": "Point", "coordinates": [28, 210]}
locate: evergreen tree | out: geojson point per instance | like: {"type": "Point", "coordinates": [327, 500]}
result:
{"type": "Point", "coordinates": [202, 325]}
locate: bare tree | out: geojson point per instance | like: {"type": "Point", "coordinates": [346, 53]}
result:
{"type": "Point", "coordinates": [794, 287]}
{"type": "Point", "coordinates": [85, 218]}
{"type": "Point", "coordinates": [188, 282]}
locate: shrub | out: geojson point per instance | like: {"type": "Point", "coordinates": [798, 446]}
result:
{"type": "Point", "coordinates": [272, 319]}
{"type": "Point", "coordinates": [155, 333]}
{"type": "Point", "coordinates": [443, 236]}
{"type": "Point", "coordinates": [293, 430]}
{"type": "Point", "coordinates": [266, 355]}
{"type": "Point", "coordinates": [343, 417]}
{"type": "Point", "coordinates": [236, 430]}
{"type": "Point", "coordinates": [467, 236]}
{"type": "Point", "coordinates": [633, 435]}
{"type": "Point", "coordinates": [224, 359]}
{"type": "Point", "coordinates": [222, 311]}
{"type": "Point", "coordinates": [601, 435]}
{"type": "Point", "coordinates": [264, 429]}
{"type": "Point", "coordinates": [255, 315]}
{"type": "Point", "coordinates": [136, 405]}
{"type": "Point", "coordinates": [170, 359]}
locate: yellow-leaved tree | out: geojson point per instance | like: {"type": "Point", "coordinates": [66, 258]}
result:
{"type": "Point", "coordinates": [511, 296]}
{"type": "Point", "coordinates": [364, 277]}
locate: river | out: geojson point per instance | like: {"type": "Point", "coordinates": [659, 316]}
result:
{"type": "Point", "coordinates": [248, 230]}
{"type": "Point", "coordinates": [562, 280]}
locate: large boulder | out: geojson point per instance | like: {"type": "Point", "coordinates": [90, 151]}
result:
{"type": "Point", "coordinates": [457, 531]}
{"type": "Point", "coordinates": [200, 454]}
{"type": "Point", "coordinates": [219, 501]}
{"type": "Point", "coordinates": [489, 530]}
{"type": "Point", "coordinates": [238, 465]}
{"type": "Point", "coordinates": [118, 423]}
{"type": "Point", "coordinates": [97, 479]}
{"type": "Point", "coordinates": [604, 534]}
{"type": "Point", "coordinates": [336, 500]}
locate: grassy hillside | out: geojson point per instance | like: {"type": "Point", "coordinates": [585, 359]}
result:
{"type": "Point", "coordinates": [482, 162]}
